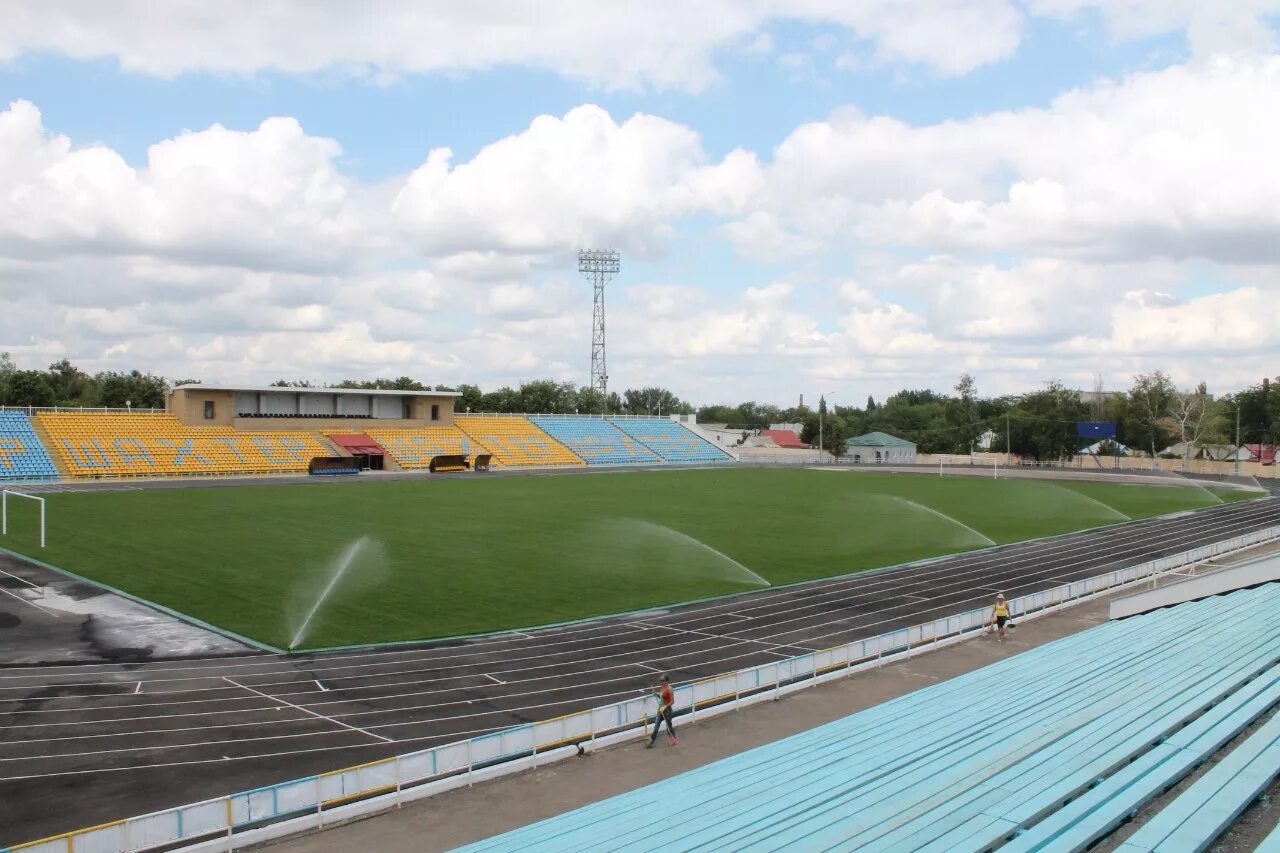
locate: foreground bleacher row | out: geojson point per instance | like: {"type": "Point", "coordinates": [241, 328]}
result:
{"type": "Point", "coordinates": [1049, 750]}
{"type": "Point", "coordinates": [84, 444]}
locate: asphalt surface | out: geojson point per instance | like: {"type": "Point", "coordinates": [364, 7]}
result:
{"type": "Point", "coordinates": [82, 744]}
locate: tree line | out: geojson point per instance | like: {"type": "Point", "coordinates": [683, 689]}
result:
{"type": "Point", "coordinates": [1152, 415]}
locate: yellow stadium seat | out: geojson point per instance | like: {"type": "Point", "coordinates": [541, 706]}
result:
{"type": "Point", "coordinates": [127, 444]}
{"type": "Point", "coordinates": [515, 442]}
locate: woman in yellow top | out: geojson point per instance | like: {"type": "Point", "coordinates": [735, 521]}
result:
{"type": "Point", "coordinates": [1000, 614]}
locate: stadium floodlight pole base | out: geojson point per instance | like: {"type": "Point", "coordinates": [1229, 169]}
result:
{"type": "Point", "coordinates": [4, 511]}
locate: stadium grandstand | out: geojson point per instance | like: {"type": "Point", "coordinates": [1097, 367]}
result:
{"type": "Point", "coordinates": [22, 454]}
{"type": "Point", "coordinates": [209, 430]}
{"type": "Point", "coordinates": [595, 440]}
{"type": "Point", "coordinates": [670, 440]}
{"type": "Point", "coordinates": [1051, 749]}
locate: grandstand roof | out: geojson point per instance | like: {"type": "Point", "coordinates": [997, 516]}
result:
{"type": "Point", "coordinates": [271, 389]}
{"type": "Point", "coordinates": [878, 439]}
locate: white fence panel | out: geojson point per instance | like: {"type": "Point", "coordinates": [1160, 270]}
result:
{"type": "Point", "coordinates": [204, 818]}
{"type": "Point", "coordinates": [417, 766]}
{"type": "Point", "coordinates": [296, 796]}
{"type": "Point", "coordinates": [452, 757]}
{"type": "Point", "coordinates": [374, 776]}
{"type": "Point", "coordinates": [747, 679]}
{"type": "Point", "coordinates": [150, 831]}
{"type": "Point", "coordinates": [108, 839]}
{"type": "Point", "coordinates": [486, 748]}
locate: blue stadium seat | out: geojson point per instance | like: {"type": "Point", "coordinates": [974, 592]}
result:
{"type": "Point", "coordinates": [594, 439]}
{"type": "Point", "coordinates": [670, 441]}
{"type": "Point", "coordinates": [22, 456]}
{"type": "Point", "coordinates": [977, 761]}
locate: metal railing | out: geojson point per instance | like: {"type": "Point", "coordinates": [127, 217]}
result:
{"type": "Point", "coordinates": [251, 816]}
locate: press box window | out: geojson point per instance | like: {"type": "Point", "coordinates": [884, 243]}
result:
{"type": "Point", "coordinates": [208, 410]}
{"type": "Point", "coordinates": [435, 411]}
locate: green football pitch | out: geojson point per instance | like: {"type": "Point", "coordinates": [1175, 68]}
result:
{"type": "Point", "coordinates": [414, 559]}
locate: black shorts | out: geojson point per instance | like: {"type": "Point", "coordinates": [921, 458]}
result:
{"type": "Point", "coordinates": [1001, 620]}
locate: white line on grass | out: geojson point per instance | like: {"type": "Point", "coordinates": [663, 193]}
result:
{"type": "Point", "coordinates": [32, 603]}
{"type": "Point", "coordinates": [308, 711]}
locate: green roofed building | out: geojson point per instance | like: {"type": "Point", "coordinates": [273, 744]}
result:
{"type": "Point", "coordinates": [881, 448]}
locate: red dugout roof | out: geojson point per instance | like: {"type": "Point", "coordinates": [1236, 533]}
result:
{"type": "Point", "coordinates": [358, 444]}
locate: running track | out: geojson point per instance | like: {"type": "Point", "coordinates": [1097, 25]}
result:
{"type": "Point", "coordinates": [85, 744]}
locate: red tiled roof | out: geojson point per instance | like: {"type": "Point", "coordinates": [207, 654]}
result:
{"type": "Point", "coordinates": [1264, 453]}
{"type": "Point", "coordinates": [785, 438]}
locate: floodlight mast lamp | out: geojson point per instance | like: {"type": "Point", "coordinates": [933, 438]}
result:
{"type": "Point", "coordinates": [599, 267]}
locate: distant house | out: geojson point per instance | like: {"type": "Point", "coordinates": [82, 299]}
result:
{"type": "Point", "coordinates": [880, 448]}
{"type": "Point", "coordinates": [1264, 453]}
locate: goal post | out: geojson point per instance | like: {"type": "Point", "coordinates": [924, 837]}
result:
{"type": "Point", "coordinates": [4, 511]}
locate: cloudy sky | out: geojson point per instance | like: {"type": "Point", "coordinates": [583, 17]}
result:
{"type": "Point", "coordinates": [811, 196]}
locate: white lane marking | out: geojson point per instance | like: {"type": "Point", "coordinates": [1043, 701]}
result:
{"type": "Point", "coordinates": [32, 603]}
{"type": "Point", "coordinates": [137, 689]}
{"type": "Point", "coordinates": [777, 653]}
{"type": "Point", "coordinates": [308, 711]}
{"type": "Point", "coordinates": [739, 616]}
{"type": "Point", "coordinates": [491, 678]}
{"type": "Point", "coordinates": [18, 577]}
{"type": "Point", "coordinates": [718, 636]}
{"type": "Point", "coordinates": [646, 666]}
{"type": "Point", "coordinates": [523, 634]}
{"type": "Point", "coordinates": [321, 686]}
{"type": "Point", "coordinates": [917, 597]}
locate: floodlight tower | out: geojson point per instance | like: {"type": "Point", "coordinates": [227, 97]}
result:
{"type": "Point", "coordinates": [598, 267]}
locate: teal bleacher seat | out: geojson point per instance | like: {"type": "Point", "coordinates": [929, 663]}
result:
{"type": "Point", "coordinates": [670, 441]}
{"type": "Point", "coordinates": [986, 759]}
{"type": "Point", "coordinates": [1202, 812]}
{"type": "Point", "coordinates": [595, 440]}
{"type": "Point", "coordinates": [22, 456]}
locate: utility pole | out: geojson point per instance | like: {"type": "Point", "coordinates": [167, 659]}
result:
{"type": "Point", "coordinates": [822, 408]}
{"type": "Point", "coordinates": [1008, 448]}
{"type": "Point", "coordinates": [1237, 453]}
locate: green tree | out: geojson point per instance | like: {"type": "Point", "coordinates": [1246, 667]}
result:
{"type": "Point", "coordinates": [589, 401]}
{"type": "Point", "coordinates": [135, 389]}
{"type": "Point", "coordinates": [27, 388]}
{"type": "Point", "coordinates": [1150, 397]}
{"type": "Point", "coordinates": [548, 397]}
{"type": "Point", "coordinates": [653, 401]}
{"type": "Point", "coordinates": [71, 386]}
{"type": "Point", "coordinates": [470, 399]}
{"type": "Point", "coordinates": [503, 400]}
